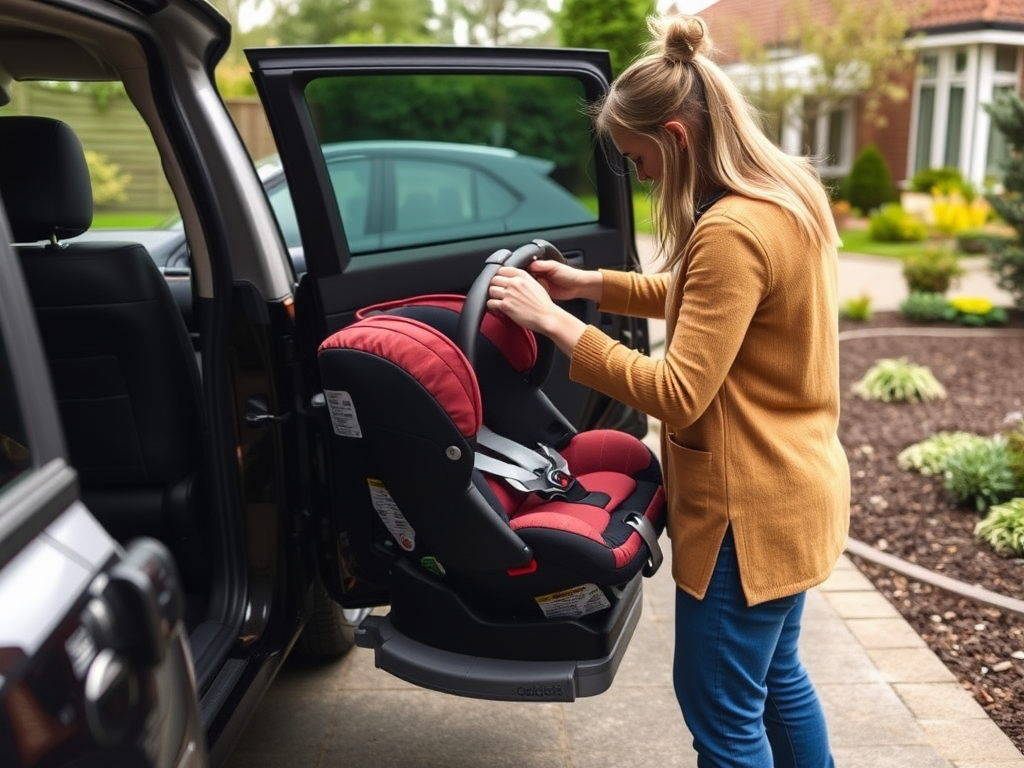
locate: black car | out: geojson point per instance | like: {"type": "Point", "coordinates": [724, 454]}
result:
{"type": "Point", "coordinates": [177, 514]}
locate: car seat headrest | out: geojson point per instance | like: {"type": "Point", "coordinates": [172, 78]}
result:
{"type": "Point", "coordinates": [44, 179]}
{"type": "Point", "coordinates": [517, 344]}
{"type": "Point", "coordinates": [424, 353]}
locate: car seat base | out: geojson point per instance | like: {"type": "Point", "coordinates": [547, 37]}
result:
{"type": "Point", "coordinates": [463, 674]}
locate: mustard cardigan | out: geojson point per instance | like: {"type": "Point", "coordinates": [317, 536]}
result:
{"type": "Point", "coordinates": [747, 394]}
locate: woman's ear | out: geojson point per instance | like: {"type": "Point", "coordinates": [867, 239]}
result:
{"type": "Point", "coordinates": [678, 131]}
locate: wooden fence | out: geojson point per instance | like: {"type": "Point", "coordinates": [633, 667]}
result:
{"type": "Point", "coordinates": [109, 125]}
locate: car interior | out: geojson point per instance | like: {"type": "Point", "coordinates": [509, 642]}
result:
{"type": "Point", "coordinates": [127, 371]}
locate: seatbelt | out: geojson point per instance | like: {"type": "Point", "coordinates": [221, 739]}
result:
{"type": "Point", "coordinates": [544, 471]}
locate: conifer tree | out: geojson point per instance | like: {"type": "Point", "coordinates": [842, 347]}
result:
{"type": "Point", "coordinates": [1007, 263]}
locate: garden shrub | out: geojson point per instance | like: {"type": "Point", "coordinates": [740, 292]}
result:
{"type": "Point", "coordinates": [980, 474]}
{"type": "Point", "coordinates": [892, 224]}
{"type": "Point", "coordinates": [932, 270]}
{"type": "Point", "coordinates": [869, 184]}
{"type": "Point", "coordinates": [1007, 267]}
{"type": "Point", "coordinates": [942, 180]}
{"type": "Point", "coordinates": [899, 380]}
{"type": "Point", "coordinates": [928, 457]}
{"type": "Point", "coordinates": [857, 308]}
{"type": "Point", "coordinates": [953, 213]}
{"type": "Point", "coordinates": [924, 306]}
{"type": "Point", "coordinates": [1003, 528]}
{"type": "Point", "coordinates": [109, 185]}
{"type": "Point", "coordinates": [974, 311]}
{"type": "Point", "coordinates": [982, 241]}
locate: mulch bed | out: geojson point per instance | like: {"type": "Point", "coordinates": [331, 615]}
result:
{"type": "Point", "coordinates": [913, 517]}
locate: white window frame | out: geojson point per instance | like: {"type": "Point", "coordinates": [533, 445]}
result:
{"type": "Point", "coordinates": [979, 80]}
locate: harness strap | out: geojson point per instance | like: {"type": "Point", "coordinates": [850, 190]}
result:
{"type": "Point", "coordinates": [545, 473]}
{"type": "Point", "coordinates": [643, 526]}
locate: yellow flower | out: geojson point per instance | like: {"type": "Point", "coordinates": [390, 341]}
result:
{"type": "Point", "coordinates": [972, 305]}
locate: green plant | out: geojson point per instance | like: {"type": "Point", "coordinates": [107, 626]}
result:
{"type": "Point", "coordinates": [1003, 528]}
{"type": "Point", "coordinates": [928, 457]}
{"type": "Point", "coordinates": [1007, 266]}
{"type": "Point", "coordinates": [892, 224]}
{"type": "Point", "coordinates": [857, 308]}
{"type": "Point", "coordinates": [899, 380]}
{"type": "Point", "coordinates": [924, 306]}
{"type": "Point", "coordinates": [974, 311]}
{"type": "Point", "coordinates": [943, 180]}
{"type": "Point", "coordinates": [954, 213]}
{"type": "Point", "coordinates": [932, 270]}
{"type": "Point", "coordinates": [109, 185]}
{"type": "Point", "coordinates": [980, 473]}
{"type": "Point", "coordinates": [869, 184]}
{"type": "Point", "coordinates": [983, 241]}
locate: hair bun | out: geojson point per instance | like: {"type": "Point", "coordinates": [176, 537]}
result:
{"type": "Point", "coordinates": [679, 38]}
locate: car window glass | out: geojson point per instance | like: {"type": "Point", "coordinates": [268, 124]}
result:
{"type": "Point", "coordinates": [15, 457]}
{"type": "Point", "coordinates": [350, 178]}
{"type": "Point", "coordinates": [453, 157]}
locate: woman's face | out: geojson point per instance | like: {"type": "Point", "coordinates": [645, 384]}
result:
{"type": "Point", "coordinates": [642, 151]}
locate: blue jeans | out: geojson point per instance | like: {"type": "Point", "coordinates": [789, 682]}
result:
{"type": "Point", "coordinates": [745, 695]}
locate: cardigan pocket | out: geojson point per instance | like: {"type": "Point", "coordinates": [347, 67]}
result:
{"type": "Point", "coordinates": [689, 477]}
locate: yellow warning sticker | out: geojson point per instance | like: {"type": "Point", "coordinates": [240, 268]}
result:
{"type": "Point", "coordinates": [391, 515]}
{"type": "Point", "coordinates": [573, 602]}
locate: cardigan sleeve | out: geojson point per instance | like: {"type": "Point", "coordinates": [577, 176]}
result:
{"type": "Point", "coordinates": [634, 294]}
{"type": "Point", "coordinates": [726, 277]}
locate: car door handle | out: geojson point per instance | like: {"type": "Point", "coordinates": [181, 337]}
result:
{"type": "Point", "coordinates": [257, 411]}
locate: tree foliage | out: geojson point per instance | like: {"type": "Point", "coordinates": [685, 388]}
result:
{"type": "Point", "coordinates": [311, 22]}
{"type": "Point", "coordinates": [492, 22]}
{"type": "Point", "coordinates": [853, 50]}
{"type": "Point", "coordinates": [1007, 264]}
{"type": "Point", "coordinates": [618, 26]}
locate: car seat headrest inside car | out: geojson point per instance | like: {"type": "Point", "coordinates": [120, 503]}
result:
{"type": "Point", "coordinates": [44, 181]}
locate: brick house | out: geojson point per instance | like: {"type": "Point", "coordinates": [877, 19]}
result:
{"type": "Point", "coordinates": [965, 50]}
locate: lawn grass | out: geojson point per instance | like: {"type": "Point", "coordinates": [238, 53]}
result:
{"type": "Point", "coordinates": [128, 219]}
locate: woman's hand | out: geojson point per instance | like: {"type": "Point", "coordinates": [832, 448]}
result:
{"type": "Point", "coordinates": [564, 282]}
{"type": "Point", "coordinates": [522, 298]}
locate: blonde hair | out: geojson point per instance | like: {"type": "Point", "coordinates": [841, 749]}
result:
{"type": "Point", "coordinates": [726, 148]}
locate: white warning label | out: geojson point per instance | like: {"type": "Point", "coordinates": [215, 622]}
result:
{"type": "Point", "coordinates": [391, 515]}
{"type": "Point", "coordinates": [343, 413]}
{"type": "Point", "coordinates": [574, 602]}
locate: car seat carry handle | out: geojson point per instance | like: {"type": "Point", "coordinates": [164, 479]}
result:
{"type": "Point", "coordinates": [475, 306]}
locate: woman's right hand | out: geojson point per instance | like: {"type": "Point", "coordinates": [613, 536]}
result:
{"type": "Point", "coordinates": [563, 282]}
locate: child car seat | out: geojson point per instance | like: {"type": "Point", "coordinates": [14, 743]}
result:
{"type": "Point", "coordinates": [491, 506]}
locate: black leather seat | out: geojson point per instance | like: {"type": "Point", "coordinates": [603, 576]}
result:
{"type": "Point", "coordinates": [122, 363]}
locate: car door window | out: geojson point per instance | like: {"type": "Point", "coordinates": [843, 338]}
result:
{"type": "Point", "coordinates": [459, 156]}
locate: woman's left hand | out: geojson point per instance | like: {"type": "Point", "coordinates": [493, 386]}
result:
{"type": "Point", "coordinates": [515, 293]}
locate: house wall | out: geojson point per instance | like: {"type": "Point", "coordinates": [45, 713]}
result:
{"type": "Point", "coordinates": [892, 139]}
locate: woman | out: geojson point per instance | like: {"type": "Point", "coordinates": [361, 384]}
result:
{"type": "Point", "coordinates": [747, 392]}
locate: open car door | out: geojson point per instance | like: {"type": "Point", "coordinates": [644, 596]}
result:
{"type": "Point", "coordinates": [414, 172]}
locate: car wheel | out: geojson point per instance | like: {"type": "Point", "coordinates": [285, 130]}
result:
{"type": "Point", "coordinates": [331, 630]}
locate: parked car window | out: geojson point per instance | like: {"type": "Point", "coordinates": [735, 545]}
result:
{"type": "Point", "coordinates": [454, 157]}
{"type": "Point", "coordinates": [15, 457]}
